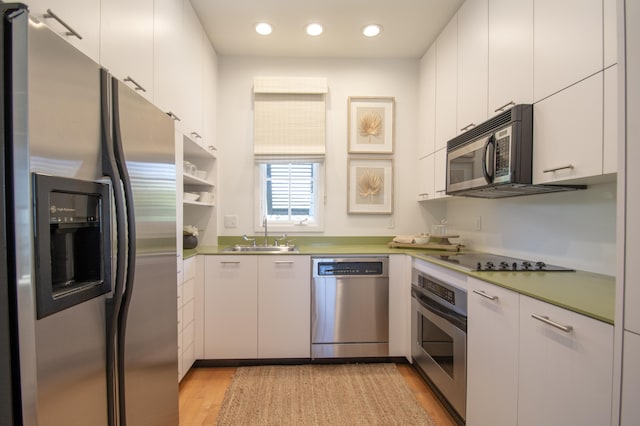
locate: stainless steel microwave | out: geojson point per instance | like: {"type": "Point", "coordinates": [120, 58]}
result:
{"type": "Point", "coordinates": [494, 159]}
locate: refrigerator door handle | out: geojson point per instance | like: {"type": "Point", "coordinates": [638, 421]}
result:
{"type": "Point", "coordinates": [110, 169]}
{"type": "Point", "coordinates": [131, 248]}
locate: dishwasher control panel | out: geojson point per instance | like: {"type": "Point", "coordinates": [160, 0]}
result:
{"type": "Point", "coordinates": [350, 267]}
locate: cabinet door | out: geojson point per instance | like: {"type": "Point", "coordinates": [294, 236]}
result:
{"type": "Point", "coordinates": [492, 355]}
{"type": "Point", "coordinates": [446, 83]}
{"type": "Point", "coordinates": [426, 178]}
{"type": "Point", "coordinates": [473, 57]}
{"type": "Point", "coordinates": [630, 409]}
{"type": "Point", "coordinates": [167, 56]}
{"type": "Point", "coordinates": [510, 54]}
{"type": "Point", "coordinates": [565, 377]}
{"type": "Point", "coordinates": [83, 16]}
{"type": "Point", "coordinates": [610, 141]}
{"type": "Point", "coordinates": [193, 38]}
{"type": "Point", "coordinates": [440, 173]}
{"type": "Point", "coordinates": [231, 307]}
{"type": "Point", "coordinates": [610, 32]}
{"type": "Point", "coordinates": [284, 300]}
{"type": "Point", "coordinates": [427, 103]}
{"type": "Point", "coordinates": [567, 131]}
{"type": "Point", "coordinates": [126, 42]}
{"type": "Point", "coordinates": [209, 79]}
{"type": "Point", "coordinates": [568, 43]}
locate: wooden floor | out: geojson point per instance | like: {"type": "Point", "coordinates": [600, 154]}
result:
{"type": "Point", "coordinates": [202, 391]}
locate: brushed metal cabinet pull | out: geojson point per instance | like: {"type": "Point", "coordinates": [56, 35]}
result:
{"type": "Point", "coordinates": [70, 31]}
{"type": "Point", "coordinates": [283, 262]}
{"type": "Point", "coordinates": [504, 106]}
{"type": "Point", "coordinates": [135, 83]}
{"type": "Point", "coordinates": [485, 295]}
{"type": "Point", "coordinates": [196, 135]}
{"type": "Point", "coordinates": [173, 115]}
{"type": "Point", "coordinates": [467, 126]}
{"type": "Point", "coordinates": [546, 320]}
{"type": "Point", "coordinates": [226, 262]}
{"type": "Point", "coordinates": [555, 169]}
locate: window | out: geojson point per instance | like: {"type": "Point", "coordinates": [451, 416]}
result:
{"type": "Point", "coordinates": [290, 195]}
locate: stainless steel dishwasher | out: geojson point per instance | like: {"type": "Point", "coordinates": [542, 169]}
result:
{"type": "Point", "coordinates": [350, 307]}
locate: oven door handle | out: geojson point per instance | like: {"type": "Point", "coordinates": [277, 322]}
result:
{"type": "Point", "coordinates": [454, 318]}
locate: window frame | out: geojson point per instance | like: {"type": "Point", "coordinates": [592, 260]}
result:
{"type": "Point", "coordinates": [314, 225]}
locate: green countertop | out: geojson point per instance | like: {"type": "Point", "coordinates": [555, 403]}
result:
{"type": "Point", "coordinates": [587, 293]}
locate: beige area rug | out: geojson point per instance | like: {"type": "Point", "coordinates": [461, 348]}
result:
{"type": "Point", "coordinates": [336, 394]}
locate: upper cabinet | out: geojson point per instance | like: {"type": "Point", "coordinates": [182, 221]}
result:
{"type": "Point", "coordinates": [510, 54]}
{"type": "Point", "coordinates": [167, 57]}
{"type": "Point", "coordinates": [473, 51]}
{"type": "Point", "coordinates": [209, 94]}
{"type": "Point", "coordinates": [427, 103]}
{"type": "Point", "coordinates": [568, 43]}
{"type": "Point", "coordinates": [126, 42]}
{"type": "Point", "coordinates": [192, 81]}
{"type": "Point", "coordinates": [610, 28]}
{"type": "Point", "coordinates": [77, 21]}
{"type": "Point", "coordinates": [446, 83]}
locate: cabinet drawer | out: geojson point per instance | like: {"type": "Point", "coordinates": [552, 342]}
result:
{"type": "Point", "coordinates": [179, 297]}
{"type": "Point", "coordinates": [187, 336]}
{"type": "Point", "coordinates": [189, 269]}
{"type": "Point", "coordinates": [187, 313]}
{"type": "Point", "coordinates": [187, 290]}
{"type": "Point", "coordinates": [179, 319]}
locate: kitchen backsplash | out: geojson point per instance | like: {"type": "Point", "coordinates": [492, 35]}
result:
{"type": "Point", "coordinates": [575, 229]}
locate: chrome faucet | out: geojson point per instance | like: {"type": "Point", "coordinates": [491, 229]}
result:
{"type": "Point", "coordinates": [264, 223]}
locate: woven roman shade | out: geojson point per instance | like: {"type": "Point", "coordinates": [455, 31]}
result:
{"type": "Point", "coordinates": [289, 117]}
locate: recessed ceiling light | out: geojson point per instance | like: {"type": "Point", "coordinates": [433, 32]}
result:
{"type": "Point", "coordinates": [372, 30]}
{"type": "Point", "coordinates": [314, 29]}
{"type": "Point", "coordinates": [263, 28]}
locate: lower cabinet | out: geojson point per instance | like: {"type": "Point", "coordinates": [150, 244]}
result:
{"type": "Point", "coordinates": [566, 367]}
{"type": "Point", "coordinates": [231, 307]}
{"type": "Point", "coordinates": [186, 316]}
{"type": "Point", "coordinates": [284, 294]}
{"type": "Point", "coordinates": [532, 363]}
{"type": "Point", "coordinates": [257, 306]}
{"type": "Point", "coordinates": [492, 354]}
{"type": "Point", "coordinates": [630, 409]}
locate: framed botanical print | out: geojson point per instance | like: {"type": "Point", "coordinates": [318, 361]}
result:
{"type": "Point", "coordinates": [370, 186]}
{"type": "Point", "coordinates": [371, 125]}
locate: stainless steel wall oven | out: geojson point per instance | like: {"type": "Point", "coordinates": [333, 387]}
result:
{"type": "Point", "coordinates": [439, 338]}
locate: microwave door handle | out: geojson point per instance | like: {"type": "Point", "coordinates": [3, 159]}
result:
{"type": "Point", "coordinates": [485, 171]}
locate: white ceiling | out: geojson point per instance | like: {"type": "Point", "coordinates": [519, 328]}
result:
{"type": "Point", "coordinates": [410, 26]}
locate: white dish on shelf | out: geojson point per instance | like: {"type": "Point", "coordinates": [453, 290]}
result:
{"type": "Point", "coordinates": [189, 196]}
{"type": "Point", "coordinates": [200, 174]}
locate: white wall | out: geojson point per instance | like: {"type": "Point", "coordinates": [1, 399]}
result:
{"type": "Point", "coordinates": [573, 229]}
{"type": "Point", "coordinates": [346, 77]}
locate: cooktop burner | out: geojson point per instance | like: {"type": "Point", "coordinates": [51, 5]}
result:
{"type": "Point", "coordinates": [497, 263]}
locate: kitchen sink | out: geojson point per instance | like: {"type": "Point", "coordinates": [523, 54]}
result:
{"type": "Point", "coordinates": [263, 249]}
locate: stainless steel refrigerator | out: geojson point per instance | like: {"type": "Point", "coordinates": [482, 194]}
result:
{"type": "Point", "coordinates": [88, 330]}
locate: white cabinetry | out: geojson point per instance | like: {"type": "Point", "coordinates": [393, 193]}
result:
{"type": "Point", "coordinates": [510, 54]}
{"type": "Point", "coordinates": [126, 42]}
{"type": "Point", "coordinates": [186, 316]}
{"type": "Point", "coordinates": [426, 176]}
{"type": "Point", "coordinates": [610, 122]}
{"type": "Point", "coordinates": [440, 173]}
{"type": "Point", "coordinates": [231, 307]}
{"type": "Point", "coordinates": [631, 380]}
{"type": "Point", "coordinates": [192, 81]}
{"type": "Point", "coordinates": [446, 83]}
{"type": "Point", "coordinates": [568, 43]}
{"type": "Point", "coordinates": [257, 306]}
{"type": "Point", "coordinates": [492, 355]}
{"type": "Point", "coordinates": [473, 56]}
{"type": "Point", "coordinates": [427, 103]}
{"type": "Point", "coordinates": [565, 376]}
{"type": "Point", "coordinates": [284, 293]}
{"type": "Point", "coordinates": [567, 131]}
{"type": "Point", "coordinates": [167, 56]}
{"type": "Point", "coordinates": [79, 16]}
{"type": "Point", "coordinates": [209, 83]}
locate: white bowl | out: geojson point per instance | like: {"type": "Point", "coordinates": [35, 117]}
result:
{"type": "Point", "coordinates": [421, 239]}
{"type": "Point", "coordinates": [188, 196]}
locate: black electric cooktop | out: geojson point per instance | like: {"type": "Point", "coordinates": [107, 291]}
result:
{"type": "Point", "coordinates": [496, 263]}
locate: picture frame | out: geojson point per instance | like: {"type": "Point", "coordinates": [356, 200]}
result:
{"type": "Point", "coordinates": [370, 185]}
{"type": "Point", "coordinates": [371, 125]}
